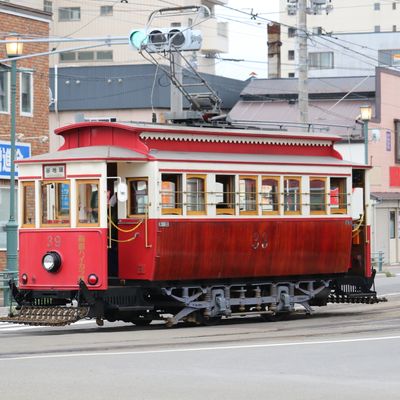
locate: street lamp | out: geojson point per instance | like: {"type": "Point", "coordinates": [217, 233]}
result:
{"type": "Point", "coordinates": [366, 114]}
{"type": "Point", "coordinates": [14, 49]}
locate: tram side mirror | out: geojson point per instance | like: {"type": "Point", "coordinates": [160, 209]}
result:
{"type": "Point", "coordinates": [122, 191]}
{"type": "Point", "coordinates": [357, 203]}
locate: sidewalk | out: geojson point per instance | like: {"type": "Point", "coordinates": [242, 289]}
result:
{"type": "Point", "coordinates": [393, 269]}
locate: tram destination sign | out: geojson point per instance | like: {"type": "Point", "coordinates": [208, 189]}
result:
{"type": "Point", "coordinates": [22, 150]}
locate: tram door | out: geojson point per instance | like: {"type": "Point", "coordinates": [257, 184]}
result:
{"type": "Point", "coordinates": [112, 216]}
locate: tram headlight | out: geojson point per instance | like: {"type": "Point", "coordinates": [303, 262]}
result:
{"type": "Point", "coordinates": [51, 261]}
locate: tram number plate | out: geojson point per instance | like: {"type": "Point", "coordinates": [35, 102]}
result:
{"type": "Point", "coordinates": [163, 224]}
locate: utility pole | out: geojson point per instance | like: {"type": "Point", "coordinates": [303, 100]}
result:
{"type": "Point", "coordinates": [303, 61]}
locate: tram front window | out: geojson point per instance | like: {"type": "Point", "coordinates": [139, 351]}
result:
{"type": "Point", "coordinates": [55, 203]}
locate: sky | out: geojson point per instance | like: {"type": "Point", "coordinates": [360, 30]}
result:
{"type": "Point", "coordinates": [247, 38]}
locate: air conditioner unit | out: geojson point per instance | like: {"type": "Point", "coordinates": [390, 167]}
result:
{"type": "Point", "coordinates": [100, 119]}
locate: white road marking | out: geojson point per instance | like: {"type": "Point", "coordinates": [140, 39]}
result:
{"type": "Point", "coordinates": [7, 327]}
{"type": "Point", "coordinates": [196, 349]}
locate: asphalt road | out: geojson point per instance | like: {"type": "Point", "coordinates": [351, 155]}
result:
{"type": "Point", "coordinates": [341, 352]}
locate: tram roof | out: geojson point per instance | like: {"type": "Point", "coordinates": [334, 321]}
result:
{"type": "Point", "coordinates": [90, 153]}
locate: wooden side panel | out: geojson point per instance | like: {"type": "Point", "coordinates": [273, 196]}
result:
{"type": "Point", "coordinates": [212, 249]}
{"type": "Point", "coordinates": [222, 249]}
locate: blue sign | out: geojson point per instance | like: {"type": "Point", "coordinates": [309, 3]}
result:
{"type": "Point", "coordinates": [22, 150]}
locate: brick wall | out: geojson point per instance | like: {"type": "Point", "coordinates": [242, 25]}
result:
{"type": "Point", "coordinates": [38, 124]}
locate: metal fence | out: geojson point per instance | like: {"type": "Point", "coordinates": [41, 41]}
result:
{"type": "Point", "coordinates": [5, 293]}
{"type": "Point", "coordinates": [378, 260]}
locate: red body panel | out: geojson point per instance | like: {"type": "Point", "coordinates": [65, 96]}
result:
{"type": "Point", "coordinates": [83, 252]}
{"type": "Point", "coordinates": [214, 249]}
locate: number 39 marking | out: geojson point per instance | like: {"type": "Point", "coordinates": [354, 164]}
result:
{"type": "Point", "coordinates": [53, 241]}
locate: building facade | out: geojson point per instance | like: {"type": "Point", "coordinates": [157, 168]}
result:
{"type": "Point", "coordinates": [83, 19]}
{"type": "Point", "coordinates": [32, 98]}
{"type": "Point", "coordinates": [353, 36]}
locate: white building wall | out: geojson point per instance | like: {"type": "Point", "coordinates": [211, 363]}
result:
{"type": "Point", "coordinates": [357, 16]}
{"type": "Point", "coordinates": [125, 17]}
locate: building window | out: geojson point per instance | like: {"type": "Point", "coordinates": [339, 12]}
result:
{"type": "Point", "coordinates": [248, 194]}
{"type": "Point", "coordinates": [321, 60]}
{"type": "Point", "coordinates": [392, 224]}
{"type": "Point", "coordinates": [377, 6]}
{"type": "Point", "coordinates": [104, 55]}
{"type": "Point", "coordinates": [291, 32]}
{"type": "Point", "coordinates": [317, 196]}
{"type": "Point", "coordinates": [88, 202]}
{"type": "Point", "coordinates": [397, 141]}
{"type": "Point", "coordinates": [106, 11]}
{"type": "Point", "coordinates": [26, 93]}
{"type": "Point", "coordinates": [4, 91]}
{"type": "Point", "coordinates": [138, 196]}
{"type": "Point", "coordinates": [394, 29]}
{"type": "Point", "coordinates": [377, 28]}
{"type": "Point", "coordinates": [394, 6]}
{"type": "Point", "coordinates": [48, 6]}
{"type": "Point", "coordinates": [55, 203]}
{"type": "Point", "coordinates": [171, 193]}
{"type": "Point", "coordinates": [69, 14]}
{"type": "Point", "coordinates": [291, 55]}
{"type": "Point", "coordinates": [292, 195]}
{"type": "Point", "coordinates": [28, 208]}
{"type": "Point", "coordinates": [338, 196]}
{"type": "Point", "coordinates": [270, 195]}
{"type": "Point", "coordinates": [82, 56]}
{"type": "Point", "coordinates": [196, 194]}
{"type": "Point", "coordinates": [85, 56]}
{"type": "Point", "coordinates": [291, 75]}
{"type": "Point", "coordinates": [389, 57]}
{"type": "Point", "coordinates": [225, 194]}
{"type": "Point", "coordinates": [5, 213]}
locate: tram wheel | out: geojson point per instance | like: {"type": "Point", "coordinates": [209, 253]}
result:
{"type": "Point", "coordinates": [141, 321]}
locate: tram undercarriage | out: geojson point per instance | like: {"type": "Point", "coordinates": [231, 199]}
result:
{"type": "Point", "coordinates": [196, 303]}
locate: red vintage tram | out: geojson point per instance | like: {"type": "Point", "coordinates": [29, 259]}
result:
{"type": "Point", "coordinates": [210, 222]}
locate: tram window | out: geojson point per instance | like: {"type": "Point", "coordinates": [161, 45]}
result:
{"type": "Point", "coordinates": [338, 196]}
{"type": "Point", "coordinates": [55, 202]}
{"type": "Point", "coordinates": [28, 204]}
{"type": "Point", "coordinates": [138, 196]}
{"type": "Point", "coordinates": [248, 195]}
{"type": "Point", "coordinates": [171, 193]}
{"type": "Point", "coordinates": [270, 195]}
{"type": "Point", "coordinates": [88, 202]}
{"type": "Point", "coordinates": [317, 195]}
{"type": "Point", "coordinates": [292, 195]}
{"type": "Point", "coordinates": [225, 194]}
{"type": "Point", "coordinates": [196, 194]}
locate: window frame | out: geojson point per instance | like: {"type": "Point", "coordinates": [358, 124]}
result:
{"type": "Point", "coordinates": [25, 184]}
{"type": "Point", "coordinates": [26, 113]}
{"type": "Point", "coordinates": [325, 210]}
{"type": "Point", "coordinates": [230, 194]}
{"type": "Point", "coordinates": [137, 179]}
{"type": "Point", "coordinates": [341, 195]}
{"type": "Point", "coordinates": [86, 182]}
{"type": "Point", "coordinates": [285, 196]}
{"type": "Point", "coordinates": [249, 212]}
{"type": "Point", "coordinates": [57, 213]}
{"type": "Point", "coordinates": [71, 14]}
{"type": "Point", "coordinates": [278, 195]}
{"type": "Point", "coordinates": [203, 177]}
{"type": "Point", "coordinates": [317, 62]}
{"type": "Point", "coordinates": [6, 74]}
{"type": "Point", "coordinates": [178, 195]}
